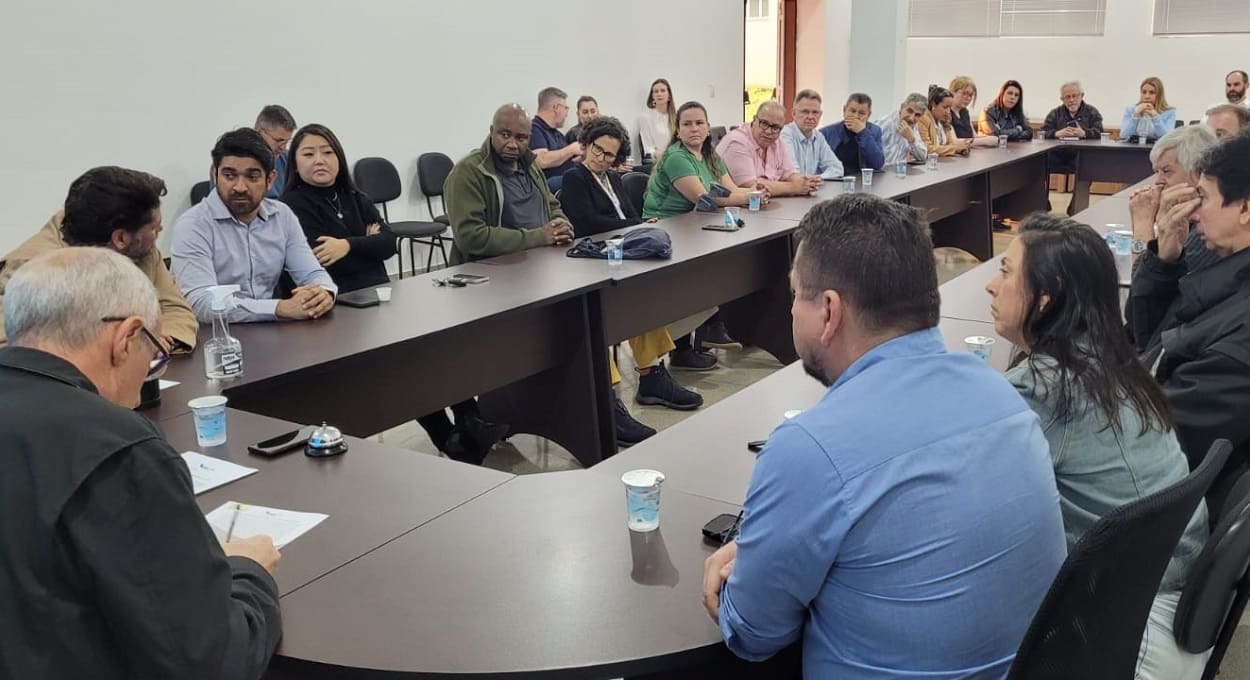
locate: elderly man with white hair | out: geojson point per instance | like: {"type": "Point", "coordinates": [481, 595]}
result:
{"type": "Point", "coordinates": [1175, 160]}
{"type": "Point", "coordinates": [108, 569]}
{"type": "Point", "coordinates": [755, 155]}
{"type": "Point", "coordinates": [900, 135]}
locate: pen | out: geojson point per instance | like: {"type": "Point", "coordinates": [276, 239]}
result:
{"type": "Point", "coordinates": [732, 532]}
{"type": "Point", "coordinates": [235, 516]}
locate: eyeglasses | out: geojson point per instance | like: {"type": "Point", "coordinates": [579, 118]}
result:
{"type": "Point", "coordinates": [600, 152]}
{"type": "Point", "coordinates": [769, 127]}
{"type": "Point", "coordinates": [160, 358]}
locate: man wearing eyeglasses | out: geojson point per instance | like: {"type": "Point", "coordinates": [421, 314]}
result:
{"type": "Point", "coordinates": [900, 136]}
{"type": "Point", "coordinates": [276, 125]}
{"type": "Point", "coordinates": [108, 569]}
{"type": "Point", "coordinates": [555, 154]}
{"type": "Point", "coordinates": [120, 209]}
{"type": "Point", "coordinates": [754, 154]}
{"type": "Point", "coordinates": [810, 151]}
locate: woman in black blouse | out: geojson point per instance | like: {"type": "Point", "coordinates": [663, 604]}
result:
{"type": "Point", "coordinates": [353, 243]}
{"type": "Point", "coordinates": [348, 236]}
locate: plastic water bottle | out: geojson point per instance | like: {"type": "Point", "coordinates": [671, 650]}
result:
{"type": "Point", "coordinates": [223, 354]}
{"type": "Point", "coordinates": [1145, 126]}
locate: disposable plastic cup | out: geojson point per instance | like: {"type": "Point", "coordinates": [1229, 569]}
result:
{"type": "Point", "coordinates": [384, 294]}
{"type": "Point", "coordinates": [210, 420]}
{"type": "Point", "coordinates": [1002, 141]}
{"type": "Point", "coordinates": [754, 199]}
{"type": "Point", "coordinates": [848, 185]}
{"type": "Point", "coordinates": [980, 345]}
{"type": "Point", "coordinates": [866, 173]}
{"type": "Point", "coordinates": [642, 499]}
{"type": "Point", "coordinates": [615, 252]}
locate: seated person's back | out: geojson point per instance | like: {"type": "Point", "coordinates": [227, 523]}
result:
{"type": "Point", "coordinates": [898, 531]}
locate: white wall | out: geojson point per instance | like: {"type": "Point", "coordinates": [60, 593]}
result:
{"type": "Point", "coordinates": [1110, 67]}
{"type": "Point", "coordinates": [150, 84]}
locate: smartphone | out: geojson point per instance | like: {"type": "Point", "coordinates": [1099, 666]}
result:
{"type": "Point", "coordinates": [722, 529]}
{"type": "Point", "coordinates": [358, 298]}
{"type": "Point", "coordinates": [287, 441]}
{"type": "Point", "coordinates": [756, 446]}
{"type": "Point", "coordinates": [469, 278]}
{"type": "Point", "coordinates": [719, 227]}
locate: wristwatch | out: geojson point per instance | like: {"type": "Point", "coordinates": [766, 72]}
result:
{"type": "Point", "coordinates": [1139, 247]}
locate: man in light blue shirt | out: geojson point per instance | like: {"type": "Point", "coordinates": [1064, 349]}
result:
{"type": "Point", "coordinates": [276, 125]}
{"type": "Point", "coordinates": [237, 236]}
{"type": "Point", "coordinates": [809, 151]}
{"type": "Point", "coordinates": [897, 531]}
{"type": "Point", "coordinates": [900, 137]}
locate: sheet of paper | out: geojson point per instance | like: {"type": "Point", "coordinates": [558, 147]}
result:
{"type": "Point", "coordinates": [166, 384]}
{"type": "Point", "coordinates": [209, 473]}
{"type": "Point", "coordinates": [283, 526]}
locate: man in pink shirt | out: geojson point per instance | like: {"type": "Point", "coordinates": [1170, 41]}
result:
{"type": "Point", "coordinates": [754, 154]}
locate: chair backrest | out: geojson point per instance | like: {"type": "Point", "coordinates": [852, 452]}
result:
{"type": "Point", "coordinates": [1091, 621]}
{"type": "Point", "coordinates": [432, 171]}
{"type": "Point", "coordinates": [717, 133]}
{"type": "Point", "coordinates": [378, 178]}
{"type": "Point", "coordinates": [635, 184]}
{"type": "Point", "coordinates": [1215, 595]}
{"type": "Point", "coordinates": [199, 190]}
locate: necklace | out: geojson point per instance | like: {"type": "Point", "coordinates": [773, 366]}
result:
{"type": "Point", "coordinates": [334, 203]}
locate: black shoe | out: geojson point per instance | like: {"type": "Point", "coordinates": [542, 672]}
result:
{"type": "Point", "coordinates": [713, 334]}
{"type": "Point", "coordinates": [482, 434]}
{"type": "Point", "coordinates": [459, 448]}
{"type": "Point", "coordinates": [628, 430]}
{"type": "Point", "coordinates": [691, 360]}
{"type": "Point", "coordinates": [657, 386]}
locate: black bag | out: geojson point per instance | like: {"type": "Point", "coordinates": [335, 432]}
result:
{"type": "Point", "coordinates": [640, 244]}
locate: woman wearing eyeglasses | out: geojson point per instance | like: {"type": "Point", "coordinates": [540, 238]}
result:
{"type": "Point", "coordinates": [595, 201]}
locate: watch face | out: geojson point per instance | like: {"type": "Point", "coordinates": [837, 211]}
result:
{"type": "Point", "coordinates": [1139, 247]}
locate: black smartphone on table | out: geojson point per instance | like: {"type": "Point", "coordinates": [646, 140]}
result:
{"type": "Point", "coordinates": [283, 443]}
{"type": "Point", "coordinates": [722, 529]}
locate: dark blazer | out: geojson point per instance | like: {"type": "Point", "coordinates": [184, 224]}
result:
{"type": "Point", "coordinates": [589, 208]}
{"type": "Point", "coordinates": [365, 264]}
{"type": "Point", "coordinates": [1087, 117]}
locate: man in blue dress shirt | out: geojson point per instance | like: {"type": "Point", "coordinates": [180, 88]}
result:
{"type": "Point", "coordinates": [908, 524]}
{"type": "Point", "coordinates": [237, 236]}
{"type": "Point", "coordinates": [276, 125]}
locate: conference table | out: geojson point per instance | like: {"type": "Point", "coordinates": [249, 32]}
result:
{"type": "Point", "coordinates": [431, 568]}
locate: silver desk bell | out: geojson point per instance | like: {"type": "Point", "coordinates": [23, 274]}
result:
{"type": "Point", "coordinates": [325, 441]}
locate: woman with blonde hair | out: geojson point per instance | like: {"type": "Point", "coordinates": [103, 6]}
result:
{"type": "Point", "coordinates": [965, 95]}
{"type": "Point", "coordinates": [1150, 116]}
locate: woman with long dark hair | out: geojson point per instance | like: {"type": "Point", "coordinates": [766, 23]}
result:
{"type": "Point", "coordinates": [657, 121]}
{"type": "Point", "coordinates": [689, 168]}
{"type": "Point", "coordinates": [1005, 115]}
{"type": "Point", "coordinates": [1056, 298]}
{"type": "Point", "coordinates": [353, 243]}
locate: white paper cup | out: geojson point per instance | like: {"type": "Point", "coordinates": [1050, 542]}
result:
{"type": "Point", "coordinates": [980, 345]}
{"type": "Point", "coordinates": [642, 499]}
{"type": "Point", "coordinates": [384, 294]}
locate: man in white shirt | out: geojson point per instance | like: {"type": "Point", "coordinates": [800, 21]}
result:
{"type": "Point", "coordinates": [900, 138]}
{"type": "Point", "coordinates": [1234, 90]}
{"type": "Point", "coordinates": [809, 151]}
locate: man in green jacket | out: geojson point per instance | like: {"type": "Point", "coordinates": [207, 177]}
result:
{"type": "Point", "coordinates": [497, 197]}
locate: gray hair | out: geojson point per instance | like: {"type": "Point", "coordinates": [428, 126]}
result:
{"type": "Point", "coordinates": [548, 96]}
{"type": "Point", "coordinates": [61, 296]}
{"type": "Point", "coordinates": [1242, 114]}
{"type": "Point", "coordinates": [771, 105]}
{"type": "Point", "coordinates": [1071, 83]}
{"type": "Point", "coordinates": [1190, 142]}
{"type": "Point", "coordinates": [916, 99]}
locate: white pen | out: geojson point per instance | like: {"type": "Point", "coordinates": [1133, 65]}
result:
{"type": "Point", "coordinates": [233, 517]}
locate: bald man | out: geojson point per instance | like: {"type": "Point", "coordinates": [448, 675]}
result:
{"type": "Point", "coordinates": [497, 197]}
{"type": "Point", "coordinates": [754, 154]}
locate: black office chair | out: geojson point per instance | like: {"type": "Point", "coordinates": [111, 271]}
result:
{"type": "Point", "coordinates": [379, 180]}
{"type": "Point", "coordinates": [1091, 621]}
{"type": "Point", "coordinates": [1195, 122]}
{"type": "Point", "coordinates": [717, 133]}
{"type": "Point", "coordinates": [1180, 123]}
{"type": "Point", "coordinates": [432, 171]}
{"type": "Point", "coordinates": [635, 187]}
{"type": "Point", "coordinates": [1219, 584]}
{"type": "Point", "coordinates": [199, 190]}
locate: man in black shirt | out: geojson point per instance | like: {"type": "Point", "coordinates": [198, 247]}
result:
{"type": "Point", "coordinates": [107, 567]}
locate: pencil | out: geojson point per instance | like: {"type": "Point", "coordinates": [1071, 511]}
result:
{"type": "Point", "coordinates": [234, 516]}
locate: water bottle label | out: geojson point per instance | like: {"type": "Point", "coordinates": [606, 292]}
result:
{"type": "Point", "coordinates": [231, 364]}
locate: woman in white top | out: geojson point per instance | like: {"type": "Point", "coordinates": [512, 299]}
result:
{"type": "Point", "coordinates": [657, 122]}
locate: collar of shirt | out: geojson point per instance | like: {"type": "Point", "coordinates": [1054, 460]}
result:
{"type": "Point", "coordinates": [45, 364]}
{"type": "Point", "coordinates": [792, 128]}
{"type": "Point", "coordinates": [218, 211]}
{"type": "Point", "coordinates": [916, 343]}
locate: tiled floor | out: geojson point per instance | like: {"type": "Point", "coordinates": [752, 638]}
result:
{"type": "Point", "coordinates": [525, 454]}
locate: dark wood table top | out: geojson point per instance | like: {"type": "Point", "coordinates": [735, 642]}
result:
{"type": "Point", "coordinates": [540, 574]}
{"type": "Point", "coordinates": [372, 493]}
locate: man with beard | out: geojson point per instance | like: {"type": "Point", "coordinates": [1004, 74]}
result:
{"type": "Point", "coordinates": [120, 209]}
{"type": "Point", "coordinates": [879, 518]}
{"type": "Point", "coordinates": [1235, 90]}
{"type": "Point", "coordinates": [237, 236]}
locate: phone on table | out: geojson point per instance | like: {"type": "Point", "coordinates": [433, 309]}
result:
{"type": "Point", "coordinates": [757, 445]}
{"type": "Point", "coordinates": [358, 298]}
{"type": "Point", "coordinates": [470, 279]}
{"type": "Point", "coordinates": [722, 529]}
{"type": "Point", "coordinates": [719, 227]}
{"type": "Point", "coordinates": [283, 443]}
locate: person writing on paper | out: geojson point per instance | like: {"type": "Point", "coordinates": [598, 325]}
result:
{"type": "Point", "coordinates": [965, 91]}
{"type": "Point", "coordinates": [115, 208]}
{"type": "Point", "coordinates": [935, 125]}
{"type": "Point", "coordinates": [810, 151]}
{"type": "Point", "coordinates": [237, 236]}
{"type": "Point", "coordinates": [755, 155]}
{"type": "Point", "coordinates": [108, 569]}
{"type": "Point", "coordinates": [831, 551]}
{"type": "Point", "coordinates": [1150, 116]}
{"type": "Point", "coordinates": [1112, 441]}
{"type": "Point", "coordinates": [344, 229]}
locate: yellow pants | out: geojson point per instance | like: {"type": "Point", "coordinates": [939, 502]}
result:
{"type": "Point", "coordinates": [646, 348]}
